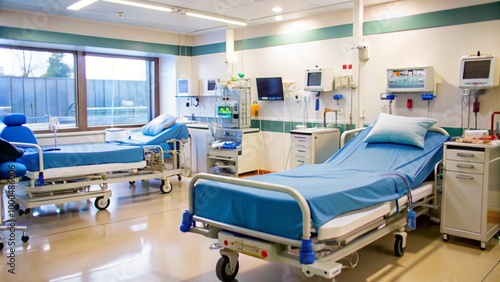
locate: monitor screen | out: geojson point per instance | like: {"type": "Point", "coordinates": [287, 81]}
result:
{"type": "Point", "coordinates": [314, 79]}
{"type": "Point", "coordinates": [211, 85]}
{"type": "Point", "coordinates": [224, 111]}
{"type": "Point", "coordinates": [477, 69]}
{"type": "Point", "coordinates": [270, 88]}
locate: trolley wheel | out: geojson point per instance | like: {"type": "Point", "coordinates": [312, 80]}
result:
{"type": "Point", "coordinates": [20, 212]}
{"type": "Point", "coordinates": [179, 177]}
{"type": "Point", "coordinates": [483, 246]}
{"type": "Point", "coordinates": [399, 251]}
{"type": "Point", "coordinates": [101, 204]}
{"type": "Point", "coordinates": [166, 187]}
{"type": "Point", "coordinates": [446, 237]}
{"type": "Point", "coordinates": [16, 206]}
{"type": "Point", "coordinates": [25, 238]}
{"type": "Point", "coordinates": [131, 182]}
{"type": "Point", "coordinates": [1, 246]}
{"type": "Point", "coordinates": [224, 271]}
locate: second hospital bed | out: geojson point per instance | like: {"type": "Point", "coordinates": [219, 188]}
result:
{"type": "Point", "coordinates": [313, 215]}
{"type": "Point", "coordinates": [83, 171]}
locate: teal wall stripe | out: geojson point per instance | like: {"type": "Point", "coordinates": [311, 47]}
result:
{"type": "Point", "coordinates": [479, 13]}
{"type": "Point", "coordinates": [24, 34]}
{"type": "Point", "coordinates": [471, 14]}
{"type": "Point", "coordinates": [210, 49]}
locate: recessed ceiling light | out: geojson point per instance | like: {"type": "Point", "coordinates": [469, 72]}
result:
{"type": "Point", "coordinates": [80, 4]}
{"type": "Point", "coordinates": [277, 9]}
{"type": "Point", "coordinates": [278, 18]}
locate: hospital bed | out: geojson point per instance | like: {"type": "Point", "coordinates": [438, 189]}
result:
{"type": "Point", "coordinates": [314, 215]}
{"type": "Point", "coordinates": [83, 171]}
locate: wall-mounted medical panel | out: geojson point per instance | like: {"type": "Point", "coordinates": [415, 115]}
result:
{"type": "Point", "coordinates": [414, 79]}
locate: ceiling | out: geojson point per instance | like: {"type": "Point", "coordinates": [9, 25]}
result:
{"type": "Point", "coordinates": [254, 12]}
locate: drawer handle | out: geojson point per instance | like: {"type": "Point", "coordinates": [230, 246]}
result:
{"type": "Point", "coordinates": [460, 176]}
{"type": "Point", "coordinates": [465, 166]}
{"type": "Point", "coordinates": [467, 155]}
{"type": "Point", "coordinates": [302, 151]}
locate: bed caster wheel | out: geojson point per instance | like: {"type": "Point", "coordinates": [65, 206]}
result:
{"type": "Point", "coordinates": [483, 246]}
{"type": "Point", "coordinates": [399, 250]}
{"type": "Point", "coordinates": [25, 238]}
{"type": "Point", "coordinates": [224, 271]}
{"type": "Point", "coordinates": [179, 177]}
{"type": "Point", "coordinates": [131, 182]}
{"type": "Point", "coordinates": [445, 237]}
{"type": "Point", "coordinates": [1, 246]}
{"type": "Point", "coordinates": [166, 187]}
{"type": "Point", "coordinates": [101, 204]}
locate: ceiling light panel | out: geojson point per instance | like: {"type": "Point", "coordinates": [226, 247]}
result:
{"type": "Point", "coordinates": [80, 4]}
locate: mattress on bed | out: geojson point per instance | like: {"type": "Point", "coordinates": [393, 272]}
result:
{"type": "Point", "coordinates": [357, 176]}
{"type": "Point", "coordinates": [82, 154]}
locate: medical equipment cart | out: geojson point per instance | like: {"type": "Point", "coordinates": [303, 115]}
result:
{"type": "Point", "coordinates": [313, 145]}
{"type": "Point", "coordinates": [471, 192]}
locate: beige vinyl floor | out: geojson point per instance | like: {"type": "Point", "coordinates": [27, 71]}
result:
{"type": "Point", "coordinates": [138, 239]}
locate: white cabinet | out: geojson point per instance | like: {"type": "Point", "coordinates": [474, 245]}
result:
{"type": "Point", "coordinates": [313, 145]}
{"type": "Point", "coordinates": [471, 191]}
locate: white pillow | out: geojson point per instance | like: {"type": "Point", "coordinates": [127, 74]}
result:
{"type": "Point", "coordinates": [158, 124]}
{"type": "Point", "coordinates": [400, 130]}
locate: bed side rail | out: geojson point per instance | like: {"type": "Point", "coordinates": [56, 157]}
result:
{"type": "Point", "coordinates": [41, 180]}
{"type": "Point", "coordinates": [306, 254]}
{"type": "Point", "coordinates": [349, 133]}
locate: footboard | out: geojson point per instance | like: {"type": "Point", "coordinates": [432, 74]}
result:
{"type": "Point", "coordinates": [189, 218]}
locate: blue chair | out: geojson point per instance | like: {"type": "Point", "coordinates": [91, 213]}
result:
{"type": "Point", "coordinates": [10, 172]}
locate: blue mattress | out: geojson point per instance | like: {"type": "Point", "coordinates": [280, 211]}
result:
{"type": "Point", "coordinates": [357, 176]}
{"type": "Point", "coordinates": [177, 131]}
{"type": "Point", "coordinates": [82, 154]}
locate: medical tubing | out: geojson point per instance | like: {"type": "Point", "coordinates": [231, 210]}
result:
{"type": "Point", "coordinates": [301, 201]}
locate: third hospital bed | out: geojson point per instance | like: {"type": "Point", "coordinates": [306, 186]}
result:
{"type": "Point", "coordinates": [313, 215]}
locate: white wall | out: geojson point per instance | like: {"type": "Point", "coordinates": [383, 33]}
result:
{"type": "Point", "coordinates": [439, 47]}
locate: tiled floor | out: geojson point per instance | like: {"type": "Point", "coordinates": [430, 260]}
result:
{"type": "Point", "coordinates": [138, 239]}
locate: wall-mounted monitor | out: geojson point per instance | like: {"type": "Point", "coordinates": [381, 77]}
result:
{"type": "Point", "coordinates": [210, 86]}
{"type": "Point", "coordinates": [187, 87]}
{"type": "Point", "coordinates": [319, 79]}
{"type": "Point", "coordinates": [477, 72]}
{"type": "Point", "coordinates": [413, 79]}
{"type": "Point", "coordinates": [270, 88]}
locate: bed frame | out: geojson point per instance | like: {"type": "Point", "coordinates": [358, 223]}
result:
{"type": "Point", "coordinates": [317, 253]}
{"type": "Point", "coordinates": [60, 185]}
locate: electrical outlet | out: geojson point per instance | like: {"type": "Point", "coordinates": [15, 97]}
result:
{"type": "Point", "coordinates": [297, 97]}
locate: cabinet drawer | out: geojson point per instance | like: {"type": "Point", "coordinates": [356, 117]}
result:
{"type": "Point", "coordinates": [301, 140]}
{"type": "Point", "coordinates": [297, 161]}
{"type": "Point", "coordinates": [299, 151]}
{"type": "Point", "coordinates": [465, 155]}
{"type": "Point", "coordinates": [466, 167]}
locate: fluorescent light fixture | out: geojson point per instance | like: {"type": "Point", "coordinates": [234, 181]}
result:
{"type": "Point", "coordinates": [278, 18]}
{"type": "Point", "coordinates": [224, 20]}
{"type": "Point", "coordinates": [80, 4]}
{"type": "Point", "coordinates": [141, 5]}
{"type": "Point", "coordinates": [277, 9]}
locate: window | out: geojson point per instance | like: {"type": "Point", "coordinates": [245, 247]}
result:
{"type": "Point", "coordinates": [38, 83]}
{"type": "Point", "coordinates": [113, 90]}
{"type": "Point", "coordinates": [119, 90]}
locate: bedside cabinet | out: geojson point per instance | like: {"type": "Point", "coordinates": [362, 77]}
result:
{"type": "Point", "coordinates": [313, 145]}
{"type": "Point", "coordinates": [471, 191]}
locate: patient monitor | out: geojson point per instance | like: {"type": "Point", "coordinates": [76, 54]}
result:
{"type": "Point", "coordinates": [319, 79]}
{"type": "Point", "coordinates": [477, 72]}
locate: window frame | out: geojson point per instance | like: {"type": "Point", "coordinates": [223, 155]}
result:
{"type": "Point", "coordinates": [81, 114]}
